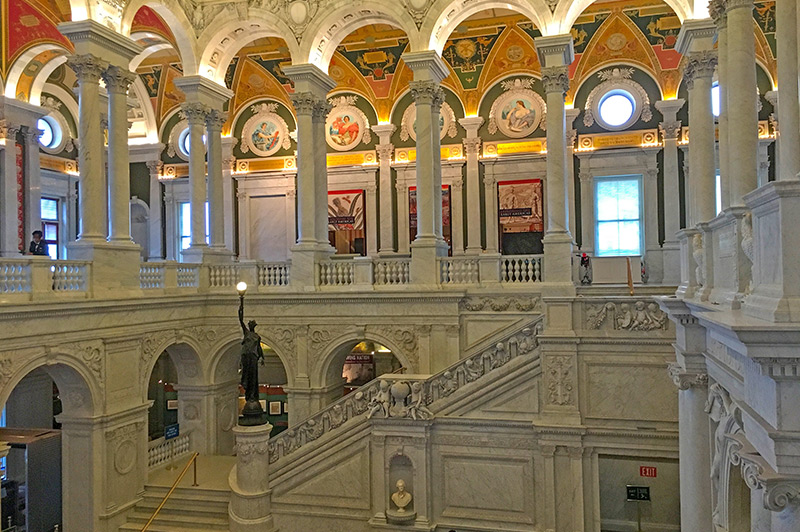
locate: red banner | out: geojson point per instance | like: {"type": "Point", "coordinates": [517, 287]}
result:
{"type": "Point", "coordinates": [20, 164]}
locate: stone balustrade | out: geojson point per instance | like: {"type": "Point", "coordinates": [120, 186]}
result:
{"type": "Point", "coordinates": [37, 278]}
{"type": "Point", "coordinates": [161, 451]}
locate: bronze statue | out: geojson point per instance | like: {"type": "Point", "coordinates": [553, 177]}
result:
{"type": "Point", "coordinates": [252, 353]}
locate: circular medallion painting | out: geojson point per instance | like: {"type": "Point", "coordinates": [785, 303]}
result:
{"type": "Point", "coordinates": [517, 113]}
{"type": "Point", "coordinates": [265, 132]}
{"type": "Point", "coordinates": [447, 122]}
{"type": "Point", "coordinates": [344, 128]}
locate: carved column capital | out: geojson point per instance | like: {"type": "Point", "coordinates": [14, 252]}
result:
{"type": "Point", "coordinates": [215, 120]}
{"type": "Point", "coordinates": [384, 152]}
{"type": "Point", "coordinates": [555, 79]}
{"type": "Point", "coordinates": [427, 92]}
{"type": "Point", "coordinates": [154, 167]}
{"type": "Point", "coordinates": [716, 10]}
{"type": "Point", "coordinates": [670, 130]}
{"type": "Point", "coordinates": [699, 65]}
{"type": "Point", "coordinates": [685, 379]}
{"type": "Point", "coordinates": [118, 79]}
{"type": "Point", "coordinates": [572, 136]}
{"type": "Point", "coordinates": [321, 110]}
{"type": "Point", "coordinates": [457, 185]}
{"type": "Point", "coordinates": [87, 67]}
{"type": "Point", "coordinates": [32, 135]}
{"type": "Point", "coordinates": [472, 146]}
{"type": "Point", "coordinates": [195, 113]}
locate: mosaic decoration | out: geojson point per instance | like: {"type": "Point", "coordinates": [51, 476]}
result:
{"type": "Point", "coordinates": [265, 132]}
{"type": "Point", "coordinates": [467, 56]}
{"type": "Point", "coordinates": [518, 111]}
{"type": "Point", "coordinates": [346, 126]}
{"type": "Point", "coordinates": [447, 122]}
{"type": "Point", "coordinates": [764, 14]}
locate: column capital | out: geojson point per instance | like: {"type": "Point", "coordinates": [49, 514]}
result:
{"type": "Point", "coordinates": [32, 135]}
{"type": "Point", "coordinates": [215, 120]}
{"type": "Point", "coordinates": [716, 9]}
{"type": "Point", "coordinates": [669, 108]}
{"type": "Point", "coordinates": [427, 92]}
{"type": "Point", "coordinates": [471, 125]}
{"type": "Point", "coordinates": [457, 185]}
{"type": "Point", "coordinates": [472, 145]}
{"type": "Point", "coordinates": [699, 65]}
{"type": "Point", "coordinates": [202, 90]}
{"type": "Point", "coordinates": [427, 65]}
{"type": "Point", "coordinates": [384, 151]}
{"type": "Point", "coordinates": [309, 78]}
{"type": "Point", "coordinates": [555, 79]}
{"type": "Point", "coordinates": [730, 5]}
{"type": "Point", "coordinates": [670, 130]}
{"type": "Point", "coordinates": [684, 379]}
{"type": "Point", "coordinates": [118, 79]}
{"type": "Point", "coordinates": [87, 67]}
{"type": "Point", "coordinates": [154, 167]}
{"type": "Point", "coordinates": [309, 104]}
{"type": "Point", "coordinates": [572, 136]}
{"type": "Point", "coordinates": [489, 181]}
{"type": "Point", "coordinates": [195, 113]}
{"type": "Point", "coordinates": [555, 50]}
{"type": "Point", "coordinates": [384, 132]}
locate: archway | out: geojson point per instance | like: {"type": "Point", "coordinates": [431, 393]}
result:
{"type": "Point", "coordinates": [50, 464]}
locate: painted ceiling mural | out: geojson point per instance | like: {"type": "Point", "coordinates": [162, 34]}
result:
{"type": "Point", "coordinates": [481, 52]}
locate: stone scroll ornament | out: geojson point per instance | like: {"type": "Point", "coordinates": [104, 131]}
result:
{"type": "Point", "coordinates": [346, 126]}
{"type": "Point", "coordinates": [265, 132]}
{"type": "Point", "coordinates": [447, 122]}
{"type": "Point", "coordinates": [519, 111]}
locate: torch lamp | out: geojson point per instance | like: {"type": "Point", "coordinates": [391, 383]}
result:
{"type": "Point", "coordinates": [241, 287]}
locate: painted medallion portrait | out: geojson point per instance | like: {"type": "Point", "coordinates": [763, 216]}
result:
{"type": "Point", "coordinates": [265, 132]}
{"type": "Point", "coordinates": [518, 111]}
{"type": "Point", "coordinates": [266, 136]}
{"type": "Point", "coordinates": [346, 126]}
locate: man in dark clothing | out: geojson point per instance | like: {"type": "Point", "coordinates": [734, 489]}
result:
{"type": "Point", "coordinates": [38, 245]}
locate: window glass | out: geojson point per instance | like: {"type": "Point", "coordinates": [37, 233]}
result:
{"type": "Point", "coordinates": [715, 106]}
{"type": "Point", "coordinates": [718, 193]}
{"type": "Point", "coordinates": [185, 224]}
{"type": "Point", "coordinates": [618, 216]}
{"type": "Point", "coordinates": [51, 132]}
{"type": "Point", "coordinates": [617, 107]}
{"type": "Point", "coordinates": [49, 209]}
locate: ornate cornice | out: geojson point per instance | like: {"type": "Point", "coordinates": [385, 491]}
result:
{"type": "Point", "coordinates": [87, 67]}
{"type": "Point", "coordinates": [118, 79]}
{"type": "Point", "coordinates": [685, 380]}
{"type": "Point", "coordinates": [555, 79]}
{"type": "Point", "coordinates": [699, 65]}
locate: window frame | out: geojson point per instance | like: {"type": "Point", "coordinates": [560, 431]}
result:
{"type": "Point", "coordinates": [598, 180]}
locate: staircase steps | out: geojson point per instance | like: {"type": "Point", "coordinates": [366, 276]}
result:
{"type": "Point", "coordinates": [187, 510]}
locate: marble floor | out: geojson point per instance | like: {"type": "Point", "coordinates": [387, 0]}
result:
{"type": "Point", "coordinates": [212, 473]}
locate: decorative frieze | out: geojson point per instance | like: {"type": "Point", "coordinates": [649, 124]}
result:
{"type": "Point", "coordinates": [626, 316]}
{"type": "Point", "coordinates": [560, 373]}
{"type": "Point", "coordinates": [501, 304]}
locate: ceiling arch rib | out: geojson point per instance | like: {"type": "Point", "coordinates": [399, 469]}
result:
{"type": "Point", "coordinates": [567, 11]}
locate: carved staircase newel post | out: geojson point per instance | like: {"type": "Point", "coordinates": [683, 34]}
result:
{"type": "Point", "coordinates": [250, 508]}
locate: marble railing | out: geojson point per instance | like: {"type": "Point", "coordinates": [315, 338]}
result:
{"type": "Point", "coordinates": [521, 268]}
{"type": "Point", "coordinates": [392, 271]}
{"type": "Point", "coordinates": [15, 277]}
{"type": "Point", "coordinates": [223, 275]}
{"type": "Point", "coordinates": [188, 275]}
{"type": "Point", "coordinates": [151, 275]}
{"type": "Point", "coordinates": [273, 274]}
{"type": "Point", "coordinates": [336, 272]}
{"type": "Point", "coordinates": [459, 270]}
{"type": "Point", "coordinates": [161, 451]}
{"type": "Point", "coordinates": [70, 275]}
{"type": "Point", "coordinates": [40, 278]}
{"type": "Point", "coordinates": [404, 396]}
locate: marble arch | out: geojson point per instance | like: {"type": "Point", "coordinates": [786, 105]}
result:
{"type": "Point", "coordinates": [437, 29]}
{"type": "Point", "coordinates": [187, 362]}
{"type": "Point", "coordinates": [567, 12]}
{"type": "Point", "coordinates": [229, 34]}
{"type": "Point", "coordinates": [178, 23]}
{"type": "Point", "coordinates": [328, 367]}
{"type": "Point", "coordinates": [22, 62]}
{"type": "Point", "coordinates": [228, 348]}
{"type": "Point", "coordinates": [326, 33]}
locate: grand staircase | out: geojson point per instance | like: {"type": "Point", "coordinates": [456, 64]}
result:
{"type": "Point", "coordinates": [187, 510]}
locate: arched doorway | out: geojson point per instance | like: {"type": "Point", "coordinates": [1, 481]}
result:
{"type": "Point", "coordinates": [161, 392]}
{"type": "Point", "coordinates": [50, 464]}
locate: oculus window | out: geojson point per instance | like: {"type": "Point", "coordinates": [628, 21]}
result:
{"type": "Point", "coordinates": [51, 132]}
{"type": "Point", "coordinates": [616, 108]}
{"type": "Point", "coordinates": [185, 142]}
{"type": "Point", "coordinates": [618, 215]}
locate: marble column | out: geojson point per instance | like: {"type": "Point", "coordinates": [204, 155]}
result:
{"type": "Point", "coordinates": [555, 55]}
{"type": "Point", "coordinates": [156, 212]}
{"type": "Point", "coordinates": [717, 11]}
{"type": "Point", "coordinates": [457, 216]}
{"type": "Point", "coordinates": [10, 241]}
{"type": "Point", "coordinates": [196, 114]}
{"type": "Point", "coordinates": [491, 207]}
{"type": "Point", "coordinates": [228, 162]}
{"type": "Point", "coordinates": [742, 99]}
{"type": "Point", "coordinates": [670, 133]}
{"type": "Point", "coordinates": [653, 253]}
{"type": "Point", "coordinates": [572, 136]}
{"type": "Point", "coordinates": [216, 210]}
{"type": "Point", "coordinates": [371, 191]}
{"type": "Point", "coordinates": [33, 181]}
{"type": "Point", "coordinates": [243, 200]}
{"type": "Point", "coordinates": [429, 70]}
{"type": "Point", "coordinates": [472, 149]}
{"type": "Point", "coordinates": [318, 118]}
{"type": "Point", "coordinates": [304, 108]}
{"type": "Point", "coordinates": [385, 149]}
{"type": "Point", "coordinates": [92, 190]}
{"type": "Point", "coordinates": [117, 81]}
{"type": "Point", "coordinates": [789, 99]}
{"type": "Point", "coordinates": [587, 206]}
{"type": "Point", "coordinates": [170, 221]}
{"type": "Point", "coordinates": [403, 229]}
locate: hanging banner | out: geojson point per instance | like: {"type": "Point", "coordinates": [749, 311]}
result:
{"type": "Point", "coordinates": [520, 206]}
{"type": "Point", "coordinates": [346, 231]}
{"type": "Point", "coordinates": [20, 168]}
{"type": "Point", "coordinates": [412, 209]}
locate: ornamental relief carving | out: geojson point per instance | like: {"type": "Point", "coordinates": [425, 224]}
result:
{"type": "Point", "coordinates": [632, 316]}
{"type": "Point", "coordinates": [90, 354]}
{"type": "Point", "coordinates": [560, 387]}
{"type": "Point", "coordinates": [500, 304]}
{"type": "Point", "coordinates": [152, 345]}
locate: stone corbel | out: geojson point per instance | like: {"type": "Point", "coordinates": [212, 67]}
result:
{"type": "Point", "coordinates": [684, 379]}
{"type": "Point", "coordinates": [779, 491]}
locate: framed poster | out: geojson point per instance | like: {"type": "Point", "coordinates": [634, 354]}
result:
{"type": "Point", "coordinates": [412, 214]}
{"type": "Point", "coordinates": [346, 230]}
{"type": "Point", "coordinates": [274, 408]}
{"type": "Point", "coordinates": [520, 214]}
{"type": "Point", "coordinates": [358, 369]}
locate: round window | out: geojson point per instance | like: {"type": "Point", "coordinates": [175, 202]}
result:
{"type": "Point", "coordinates": [51, 132]}
{"type": "Point", "coordinates": [185, 142]}
{"type": "Point", "coordinates": [617, 108]}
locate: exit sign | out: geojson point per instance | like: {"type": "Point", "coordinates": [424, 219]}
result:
{"type": "Point", "coordinates": [647, 471]}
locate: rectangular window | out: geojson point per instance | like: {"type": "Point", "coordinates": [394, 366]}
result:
{"type": "Point", "coordinates": [718, 187]}
{"type": "Point", "coordinates": [49, 215]}
{"type": "Point", "coordinates": [185, 225]}
{"type": "Point", "coordinates": [618, 208]}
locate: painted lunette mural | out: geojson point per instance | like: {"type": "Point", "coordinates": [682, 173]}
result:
{"type": "Point", "coordinates": [481, 52]}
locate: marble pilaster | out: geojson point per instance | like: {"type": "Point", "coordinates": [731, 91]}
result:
{"type": "Point", "coordinates": [371, 192]}
{"type": "Point", "coordinates": [670, 132]}
{"type": "Point", "coordinates": [216, 208]}
{"type": "Point", "coordinates": [33, 181]}
{"type": "Point", "coordinates": [196, 114]}
{"type": "Point", "coordinates": [717, 11]}
{"type": "Point", "coordinates": [786, 22]}
{"type": "Point", "coordinates": [587, 206]}
{"type": "Point", "coordinates": [472, 148]}
{"type": "Point", "coordinates": [156, 239]}
{"type": "Point", "coordinates": [572, 136]}
{"type": "Point", "coordinates": [384, 150]}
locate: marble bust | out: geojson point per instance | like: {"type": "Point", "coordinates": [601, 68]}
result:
{"type": "Point", "coordinates": [401, 498]}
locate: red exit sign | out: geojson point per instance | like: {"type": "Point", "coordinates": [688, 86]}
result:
{"type": "Point", "coordinates": [647, 471]}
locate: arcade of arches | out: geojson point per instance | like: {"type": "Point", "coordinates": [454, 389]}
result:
{"type": "Point", "coordinates": [520, 265]}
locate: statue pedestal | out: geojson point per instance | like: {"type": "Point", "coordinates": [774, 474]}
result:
{"type": "Point", "coordinates": [393, 517]}
{"type": "Point", "coordinates": [250, 506]}
{"type": "Point", "coordinates": [253, 415]}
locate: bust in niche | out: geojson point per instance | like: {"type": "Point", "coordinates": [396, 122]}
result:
{"type": "Point", "coordinates": [401, 498]}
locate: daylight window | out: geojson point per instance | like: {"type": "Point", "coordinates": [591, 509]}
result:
{"type": "Point", "coordinates": [715, 99]}
{"type": "Point", "coordinates": [618, 214]}
{"type": "Point", "coordinates": [617, 108]}
{"type": "Point", "coordinates": [185, 141]}
{"type": "Point", "coordinates": [51, 132]}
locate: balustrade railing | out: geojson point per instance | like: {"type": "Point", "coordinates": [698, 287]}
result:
{"type": "Point", "coordinates": [70, 275]}
{"type": "Point", "coordinates": [151, 275]}
{"type": "Point", "coordinates": [15, 276]}
{"type": "Point", "coordinates": [392, 271]}
{"type": "Point", "coordinates": [459, 270]}
{"type": "Point", "coordinates": [521, 268]}
{"type": "Point", "coordinates": [336, 273]}
{"type": "Point", "coordinates": [161, 451]}
{"type": "Point", "coordinates": [403, 397]}
{"type": "Point", "coordinates": [273, 274]}
{"type": "Point", "coordinates": [188, 275]}
{"type": "Point", "coordinates": [223, 275]}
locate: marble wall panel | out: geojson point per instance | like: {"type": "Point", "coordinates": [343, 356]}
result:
{"type": "Point", "coordinates": [268, 228]}
{"type": "Point", "coordinates": [620, 390]}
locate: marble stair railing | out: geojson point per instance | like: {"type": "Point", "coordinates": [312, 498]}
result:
{"type": "Point", "coordinates": [401, 396]}
{"type": "Point", "coordinates": [38, 278]}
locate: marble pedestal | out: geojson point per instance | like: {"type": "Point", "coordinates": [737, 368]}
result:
{"type": "Point", "coordinates": [250, 507]}
{"type": "Point", "coordinates": [424, 266]}
{"type": "Point", "coordinates": [775, 294]}
{"type": "Point", "coordinates": [115, 267]}
{"type": "Point", "coordinates": [305, 257]}
{"type": "Point", "coordinates": [207, 255]}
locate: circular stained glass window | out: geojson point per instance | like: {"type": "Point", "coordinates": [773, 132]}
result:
{"type": "Point", "coordinates": [617, 108]}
